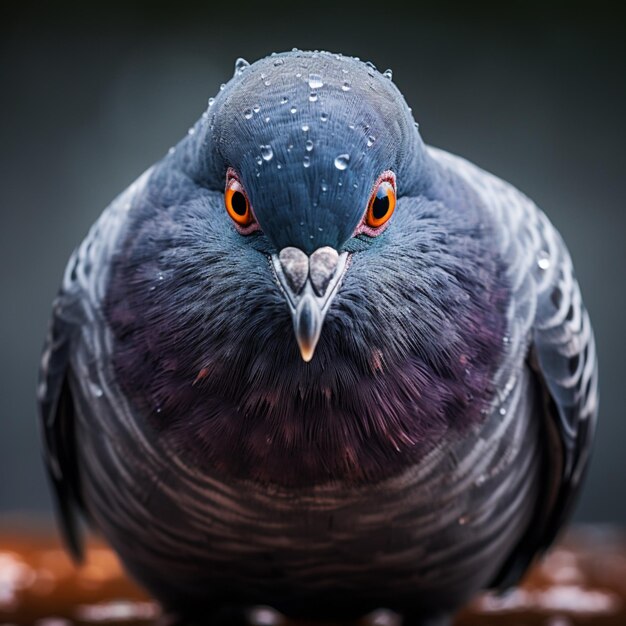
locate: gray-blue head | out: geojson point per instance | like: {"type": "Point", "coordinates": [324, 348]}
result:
{"type": "Point", "coordinates": [311, 149]}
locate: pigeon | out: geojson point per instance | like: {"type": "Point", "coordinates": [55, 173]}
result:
{"type": "Point", "coordinates": [307, 361]}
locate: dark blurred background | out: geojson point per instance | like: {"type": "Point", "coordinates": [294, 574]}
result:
{"type": "Point", "coordinates": [94, 92]}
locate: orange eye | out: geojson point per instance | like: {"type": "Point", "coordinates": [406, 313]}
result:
{"type": "Point", "coordinates": [237, 204]}
{"type": "Point", "coordinates": [381, 205]}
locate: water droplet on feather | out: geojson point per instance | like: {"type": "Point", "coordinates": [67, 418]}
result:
{"type": "Point", "coordinates": [240, 65]}
{"type": "Point", "coordinates": [315, 81]}
{"type": "Point", "coordinates": [341, 161]}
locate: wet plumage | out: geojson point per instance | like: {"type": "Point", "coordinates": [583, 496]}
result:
{"type": "Point", "coordinates": [434, 441]}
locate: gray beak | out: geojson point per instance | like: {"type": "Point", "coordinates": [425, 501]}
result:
{"type": "Point", "coordinates": [309, 284]}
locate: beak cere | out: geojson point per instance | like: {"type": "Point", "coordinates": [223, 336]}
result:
{"type": "Point", "coordinates": [309, 284]}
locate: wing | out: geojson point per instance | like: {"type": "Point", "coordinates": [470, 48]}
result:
{"type": "Point", "coordinates": [549, 327]}
{"type": "Point", "coordinates": [81, 291]}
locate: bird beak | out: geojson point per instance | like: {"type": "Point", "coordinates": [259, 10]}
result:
{"type": "Point", "coordinates": [309, 284]}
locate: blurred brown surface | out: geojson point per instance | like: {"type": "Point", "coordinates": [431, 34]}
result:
{"type": "Point", "coordinates": [582, 581]}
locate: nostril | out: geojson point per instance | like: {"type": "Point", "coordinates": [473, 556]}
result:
{"type": "Point", "coordinates": [295, 265]}
{"type": "Point", "coordinates": [322, 266]}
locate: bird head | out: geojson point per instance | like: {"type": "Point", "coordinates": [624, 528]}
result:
{"type": "Point", "coordinates": [304, 199]}
{"type": "Point", "coordinates": [312, 150]}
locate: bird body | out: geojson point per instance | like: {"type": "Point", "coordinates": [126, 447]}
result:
{"type": "Point", "coordinates": [424, 444]}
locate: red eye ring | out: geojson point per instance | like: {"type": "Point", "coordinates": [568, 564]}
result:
{"type": "Point", "coordinates": [237, 204]}
{"type": "Point", "coordinates": [381, 205]}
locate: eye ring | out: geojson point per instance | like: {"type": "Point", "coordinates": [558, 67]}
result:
{"type": "Point", "coordinates": [238, 205]}
{"type": "Point", "coordinates": [381, 205]}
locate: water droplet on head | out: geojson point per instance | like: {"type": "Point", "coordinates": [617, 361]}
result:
{"type": "Point", "coordinates": [313, 97]}
{"type": "Point", "coordinates": [306, 161]}
{"type": "Point", "coordinates": [370, 141]}
{"type": "Point", "coordinates": [240, 65]}
{"type": "Point", "coordinates": [171, 150]}
{"type": "Point", "coordinates": [345, 86]}
{"type": "Point", "coordinates": [247, 113]}
{"type": "Point", "coordinates": [267, 153]}
{"type": "Point", "coordinates": [256, 108]}
{"type": "Point", "coordinates": [315, 81]}
{"type": "Point", "coordinates": [293, 110]}
{"type": "Point", "coordinates": [341, 161]}
{"type": "Point", "coordinates": [191, 131]}
{"type": "Point", "coordinates": [388, 74]}
{"type": "Point", "coordinates": [370, 65]}
{"type": "Point", "coordinates": [278, 62]}
{"type": "Point", "coordinates": [267, 82]}
{"type": "Point", "coordinates": [543, 260]}
{"type": "Point", "coordinates": [211, 101]}
{"type": "Point", "coordinates": [502, 410]}
{"type": "Point", "coordinates": [284, 100]}
{"type": "Point", "coordinates": [324, 117]}
{"type": "Point", "coordinates": [222, 87]}
{"type": "Point", "coordinates": [324, 187]}
{"type": "Point", "coordinates": [463, 520]}
{"type": "Point", "coordinates": [267, 119]}
{"type": "Point", "coordinates": [305, 128]}
{"type": "Point", "coordinates": [279, 166]}
{"type": "Point", "coordinates": [259, 160]}
{"type": "Point", "coordinates": [308, 146]}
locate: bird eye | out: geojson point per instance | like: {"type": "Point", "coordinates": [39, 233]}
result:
{"type": "Point", "coordinates": [381, 204]}
{"type": "Point", "coordinates": [237, 204]}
